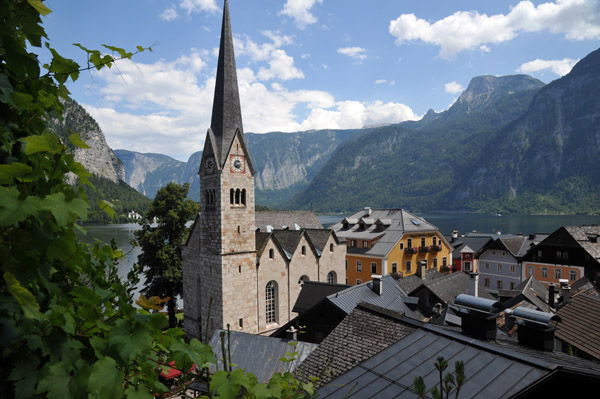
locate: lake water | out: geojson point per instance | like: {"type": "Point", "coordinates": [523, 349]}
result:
{"type": "Point", "coordinates": [509, 224]}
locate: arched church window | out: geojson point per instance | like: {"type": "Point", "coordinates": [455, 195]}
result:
{"type": "Point", "coordinates": [304, 250]}
{"type": "Point", "coordinates": [330, 247]}
{"type": "Point", "coordinates": [271, 254]}
{"type": "Point", "coordinates": [244, 197]}
{"type": "Point", "coordinates": [231, 195]}
{"type": "Point", "coordinates": [303, 279]}
{"type": "Point", "coordinates": [271, 302]}
{"type": "Point", "coordinates": [237, 196]}
{"type": "Point", "coordinates": [332, 277]}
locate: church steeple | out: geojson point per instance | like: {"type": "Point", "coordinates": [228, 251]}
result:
{"type": "Point", "coordinates": [226, 112]}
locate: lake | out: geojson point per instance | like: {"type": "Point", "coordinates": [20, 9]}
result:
{"type": "Point", "coordinates": [505, 224]}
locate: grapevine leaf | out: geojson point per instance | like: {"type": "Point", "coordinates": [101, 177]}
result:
{"type": "Point", "coordinates": [106, 379]}
{"type": "Point", "coordinates": [152, 302]}
{"type": "Point", "coordinates": [40, 7]}
{"type": "Point", "coordinates": [77, 141]}
{"type": "Point", "coordinates": [108, 208]}
{"type": "Point", "coordinates": [42, 143]}
{"type": "Point", "coordinates": [228, 385]}
{"type": "Point", "coordinates": [64, 211]}
{"type": "Point", "coordinates": [58, 383]}
{"type": "Point", "coordinates": [140, 393]}
{"type": "Point", "coordinates": [30, 307]}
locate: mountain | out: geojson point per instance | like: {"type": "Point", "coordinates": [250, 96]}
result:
{"type": "Point", "coordinates": [546, 160]}
{"type": "Point", "coordinates": [148, 172]}
{"type": "Point", "coordinates": [108, 172]}
{"type": "Point", "coordinates": [100, 159]}
{"type": "Point", "coordinates": [285, 163]}
{"type": "Point", "coordinates": [415, 165]}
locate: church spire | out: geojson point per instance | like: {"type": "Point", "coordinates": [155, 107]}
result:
{"type": "Point", "coordinates": [226, 112]}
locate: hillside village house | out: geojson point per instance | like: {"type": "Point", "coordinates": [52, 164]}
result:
{"type": "Point", "coordinates": [390, 241]}
{"type": "Point", "coordinates": [500, 261]}
{"type": "Point", "coordinates": [241, 269]}
{"type": "Point", "coordinates": [570, 253]}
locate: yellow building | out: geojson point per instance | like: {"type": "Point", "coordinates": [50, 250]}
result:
{"type": "Point", "coordinates": [387, 241]}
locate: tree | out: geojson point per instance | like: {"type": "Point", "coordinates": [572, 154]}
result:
{"type": "Point", "coordinates": [160, 259]}
{"type": "Point", "coordinates": [67, 325]}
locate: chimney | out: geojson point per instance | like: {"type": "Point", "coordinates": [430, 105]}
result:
{"type": "Point", "coordinates": [292, 333]}
{"type": "Point", "coordinates": [368, 211]}
{"type": "Point", "coordinates": [474, 284]}
{"type": "Point", "coordinates": [565, 291]}
{"type": "Point", "coordinates": [531, 236]}
{"type": "Point", "coordinates": [478, 316]}
{"type": "Point", "coordinates": [377, 284]}
{"type": "Point", "coordinates": [534, 329]}
{"type": "Point", "coordinates": [552, 296]}
{"type": "Point", "coordinates": [422, 268]}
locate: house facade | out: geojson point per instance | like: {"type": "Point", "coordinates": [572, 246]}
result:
{"type": "Point", "coordinates": [390, 241]}
{"type": "Point", "coordinates": [569, 253]}
{"type": "Point", "coordinates": [500, 262]}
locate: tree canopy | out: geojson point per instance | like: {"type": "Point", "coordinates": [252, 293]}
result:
{"type": "Point", "coordinates": [160, 259]}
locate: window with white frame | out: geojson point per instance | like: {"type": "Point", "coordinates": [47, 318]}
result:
{"type": "Point", "coordinates": [373, 267]}
{"type": "Point", "coordinates": [467, 266]}
{"type": "Point", "coordinates": [408, 266]}
{"type": "Point", "coordinates": [394, 267]}
{"type": "Point", "coordinates": [332, 277]}
{"type": "Point", "coordinates": [271, 302]}
{"type": "Point", "coordinates": [557, 274]}
{"type": "Point", "coordinates": [572, 275]}
{"type": "Point", "coordinates": [358, 281]}
{"type": "Point", "coordinates": [359, 266]}
{"type": "Point", "coordinates": [545, 272]}
{"type": "Point", "coordinates": [499, 284]}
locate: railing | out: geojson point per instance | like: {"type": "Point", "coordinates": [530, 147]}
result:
{"type": "Point", "coordinates": [436, 248]}
{"type": "Point", "coordinates": [409, 250]}
{"type": "Point", "coordinates": [424, 249]}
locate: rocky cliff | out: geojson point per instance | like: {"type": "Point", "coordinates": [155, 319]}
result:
{"type": "Point", "coordinates": [100, 159]}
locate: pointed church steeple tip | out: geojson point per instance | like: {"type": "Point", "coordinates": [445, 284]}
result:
{"type": "Point", "coordinates": [226, 112]}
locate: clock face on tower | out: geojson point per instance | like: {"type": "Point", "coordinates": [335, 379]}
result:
{"type": "Point", "coordinates": [237, 164]}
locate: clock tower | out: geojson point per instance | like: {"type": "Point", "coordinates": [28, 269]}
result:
{"type": "Point", "coordinates": [220, 266]}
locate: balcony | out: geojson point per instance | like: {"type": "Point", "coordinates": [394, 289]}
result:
{"type": "Point", "coordinates": [436, 248]}
{"type": "Point", "coordinates": [425, 249]}
{"type": "Point", "coordinates": [410, 251]}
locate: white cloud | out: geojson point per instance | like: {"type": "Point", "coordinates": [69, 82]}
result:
{"type": "Point", "coordinates": [484, 48]}
{"type": "Point", "coordinates": [299, 10]}
{"type": "Point", "coordinates": [169, 14]}
{"type": "Point", "coordinates": [358, 53]}
{"type": "Point", "coordinates": [465, 30]}
{"type": "Point", "coordinates": [199, 5]}
{"type": "Point", "coordinates": [559, 67]}
{"type": "Point", "coordinates": [384, 81]}
{"type": "Point", "coordinates": [190, 6]}
{"type": "Point", "coordinates": [165, 107]}
{"type": "Point", "coordinates": [281, 65]}
{"type": "Point", "coordinates": [453, 87]}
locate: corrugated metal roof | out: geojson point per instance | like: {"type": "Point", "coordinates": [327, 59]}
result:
{"type": "Point", "coordinates": [260, 355]}
{"type": "Point", "coordinates": [390, 373]}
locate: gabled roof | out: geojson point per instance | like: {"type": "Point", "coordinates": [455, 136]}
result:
{"type": "Point", "coordinates": [531, 290]}
{"type": "Point", "coordinates": [393, 297]}
{"type": "Point", "coordinates": [397, 223]}
{"type": "Point", "coordinates": [367, 330]}
{"type": "Point", "coordinates": [313, 292]}
{"type": "Point", "coordinates": [501, 369]}
{"type": "Point", "coordinates": [259, 354]}
{"type": "Point", "coordinates": [588, 237]}
{"type": "Point", "coordinates": [286, 219]}
{"type": "Point", "coordinates": [581, 324]}
{"type": "Point", "coordinates": [445, 287]}
{"type": "Point", "coordinates": [412, 282]}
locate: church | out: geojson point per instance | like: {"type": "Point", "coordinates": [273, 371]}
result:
{"type": "Point", "coordinates": [244, 268]}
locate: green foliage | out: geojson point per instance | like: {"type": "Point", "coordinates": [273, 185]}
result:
{"type": "Point", "coordinates": [452, 381]}
{"type": "Point", "coordinates": [161, 245]}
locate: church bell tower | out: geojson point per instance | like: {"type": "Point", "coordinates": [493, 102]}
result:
{"type": "Point", "coordinates": [220, 257]}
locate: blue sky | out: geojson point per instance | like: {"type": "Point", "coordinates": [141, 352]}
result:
{"type": "Point", "coordinates": [306, 64]}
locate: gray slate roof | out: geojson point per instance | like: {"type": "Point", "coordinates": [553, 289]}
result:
{"type": "Point", "coordinates": [393, 298]}
{"type": "Point", "coordinates": [412, 282]}
{"type": "Point", "coordinates": [582, 234]}
{"type": "Point", "coordinates": [493, 370]}
{"type": "Point", "coordinates": [580, 325]}
{"type": "Point", "coordinates": [394, 223]}
{"type": "Point", "coordinates": [533, 291]}
{"type": "Point", "coordinates": [363, 333]}
{"type": "Point", "coordinates": [259, 354]}
{"type": "Point", "coordinates": [282, 219]}
{"type": "Point", "coordinates": [313, 292]}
